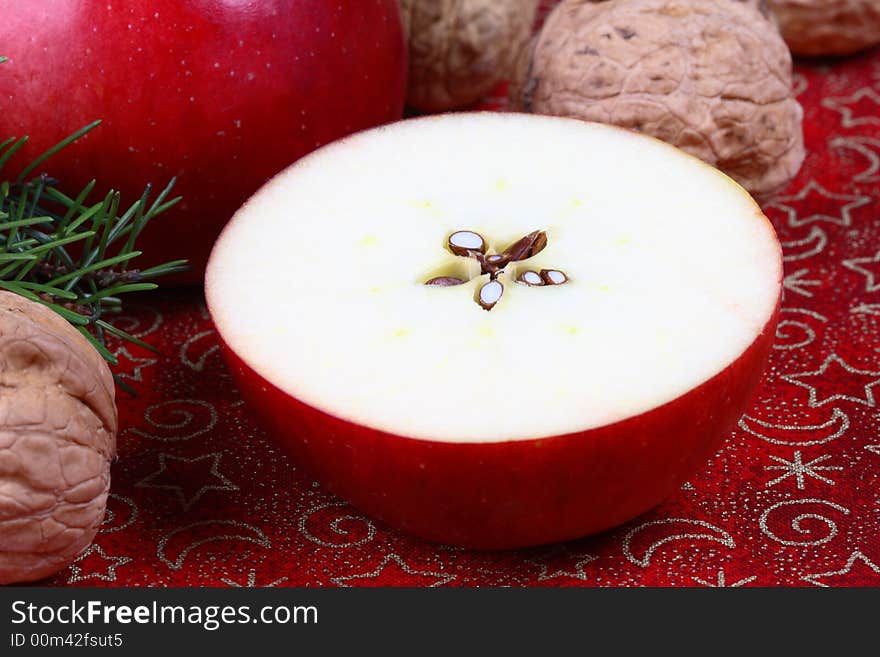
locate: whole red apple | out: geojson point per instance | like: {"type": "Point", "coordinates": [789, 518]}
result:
{"type": "Point", "coordinates": [528, 329]}
{"type": "Point", "coordinates": [220, 93]}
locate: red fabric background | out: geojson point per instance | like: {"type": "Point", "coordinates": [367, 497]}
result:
{"type": "Point", "coordinates": [202, 497]}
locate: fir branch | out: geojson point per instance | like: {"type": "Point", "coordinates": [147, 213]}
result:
{"type": "Point", "coordinates": [69, 254]}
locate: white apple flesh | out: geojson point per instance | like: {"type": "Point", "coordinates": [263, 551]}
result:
{"type": "Point", "coordinates": [607, 368]}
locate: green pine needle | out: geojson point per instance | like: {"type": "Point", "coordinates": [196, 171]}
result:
{"type": "Point", "coordinates": [72, 255]}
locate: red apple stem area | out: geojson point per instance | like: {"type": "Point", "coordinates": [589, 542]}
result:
{"type": "Point", "coordinates": [470, 244]}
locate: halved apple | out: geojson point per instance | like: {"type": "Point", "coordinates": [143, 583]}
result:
{"type": "Point", "coordinates": [606, 310]}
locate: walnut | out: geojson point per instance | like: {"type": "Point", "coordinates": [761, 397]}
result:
{"type": "Point", "coordinates": [828, 27]}
{"type": "Point", "coordinates": [712, 77]}
{"type": "Point", "coordinates": [461, 49]}
{"type": "Point", "coordinates": [406, 11]}
{"type": "Point", "coordinates": [57, 438]}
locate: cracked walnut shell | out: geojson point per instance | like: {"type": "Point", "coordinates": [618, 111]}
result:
{"type": "Point", "coordinates": [461, 49]}
{"type": "Point", "coordinates": [712, 77]}
{"type": "Point", "coordinates": [58, 427]}
{"type": "Point", "coordinates": [828, 27]}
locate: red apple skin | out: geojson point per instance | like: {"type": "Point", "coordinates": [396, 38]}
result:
{"type": "Point", "coordinates": [517, 493]}
{"type": "Point", "coordinates": [221, 94]}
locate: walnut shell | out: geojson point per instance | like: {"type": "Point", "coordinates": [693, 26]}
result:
{"type": "Point", "coordinates": [406, 11]}
{"type": "Point", "coordinates": [712, 77]}
{"type": "Point", "coordinates": [461, 49]}
{"type": "Point", "coordinates": [57, 438]}
{"type": "Point", "coordinates": [828, 27]}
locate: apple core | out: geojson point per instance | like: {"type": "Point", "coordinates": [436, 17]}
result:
{"type": "Point", "coordinates": [468, 244]}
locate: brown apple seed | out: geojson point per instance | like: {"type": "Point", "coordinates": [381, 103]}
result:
{"type": "Point", "coordinates": [490, 294]}
{"type": "Point", "coordinates": [467, 243]}
{"type": "Point", "coordinates": [530, 278]}
{"type": "Point", "coordinates": [526, 247]}
{"type": "Point", "coordinates": [445, 281]}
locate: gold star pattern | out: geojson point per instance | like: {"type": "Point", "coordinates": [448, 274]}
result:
{"type": "Point", "coordinates": [94, 563]}
{"type": "Point", "coordinates": [799, 470]}
{"type": "Point", "coordinates": [562, 562]}
{"type": "Point", "coordinates": [835, 379]}
{"type": "Point", "coordinates": [131, 367]}
{"type": "Point", "coordinates": [720, 581]}
{"type": "Point", "coordinates": [868, 267]}
{"type": "Point", "coordinates": [393, 571]}
{"type": "Point", "coordinates": [861, 108]}
{"type": "Point", "coordinates": [251, 582]}
{"type": "Point", "coordinates": [858, 567]}
{"type": "Point", "coordinates": [815, 203]}
{"type": "Point", "coordinates": [186, 477]}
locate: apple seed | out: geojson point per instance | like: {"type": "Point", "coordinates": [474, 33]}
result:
{"type": "Point", "coordinates": [553, 277]}
{"type": "Point", "coordinates": [490, 294]}
{"type": "Point", "coordinates": [444, 281]}
{"type": "Point", "coordinates": [530, 278]}
{"type": "Point", "coordinates": [526, 247]}
{"type": "Point", "coordinates": [467, 243]}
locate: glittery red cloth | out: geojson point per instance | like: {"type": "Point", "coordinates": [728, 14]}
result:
{"type": "Point", "coordinates": [202, 497]}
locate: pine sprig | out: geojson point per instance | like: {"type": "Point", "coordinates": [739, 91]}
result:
{"type": "Point", "coordinates": [72, 255]}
